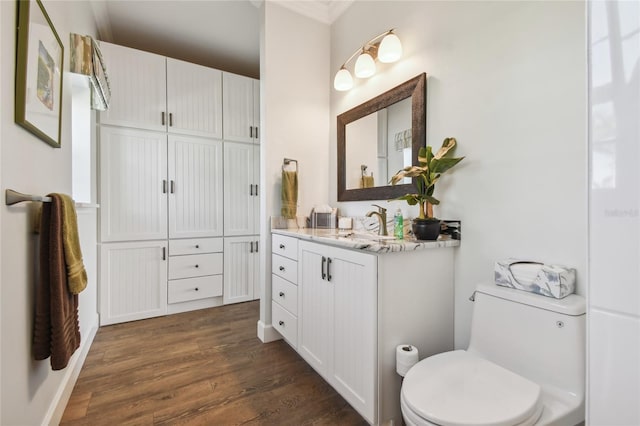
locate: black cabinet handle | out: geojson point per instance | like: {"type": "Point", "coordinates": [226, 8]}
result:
{"type": "Point", "coordinates": [164, 253]}
{"type": "Point", "coordinates": [250, 189]}
{"type": "Point", "coordinates": [282, 246]}
{"type": "Point", "coordinates": [281, 269]}
{"type": "Point", "coordinates": [197, 245]}
{"type": "Point", "coordinates": [256, 246]}
{"type": "Point", "coordinates": [170, 119]}
{"type": "Point", "coordinates": [281, 323]}
{"type": "Point", "coordinates": [250, 131]}
{"type": "Point", "coordinates": [256, 132]}
{"type": "Point", "coordinates": [197, 289]}
{"type": "Point", "coordinates": [197, 266]}
{"type": "Point", "coordinates": [328, 269]}
{"type": "Point", "coordinates": [162, 115]}
{"type": "Point", "coordinates": [281, 294]}
{"type": "Point", "coordinates": [173, 186]}
{"type": "Point", "coordinates": [251, 247]}
{"type": "Point", "coordinates": [324, 260]}
{"type": "Point", "coordinates": [256, 189]}
{"type": "Point", "coordinates": [164, 186]}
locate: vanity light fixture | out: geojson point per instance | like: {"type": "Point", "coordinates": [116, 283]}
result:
{"type": "Point", "coordinates": [388, 50]}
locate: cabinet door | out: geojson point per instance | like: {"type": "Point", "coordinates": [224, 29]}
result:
{"type": "Point", "coordinates": [240, 273]}
{"type": "Point", "coordinates": [194, 99]}
{"type": "Point", "coordinates": [133, 281]}
{"type": "Point", "coordinates": [139, 88]}
{"type": "Point", "coordinates": [353, 278]}
{"type": "Point", "coordinates": [195, 187]}
{"type": "Point", "coordinates": [240, 201]}
{"type": "Point", "coordinates": [256, 191]}
{"type": "Point", "coordinates": [256, 111]}
{"type": "Point", "coordinates": [133, 184]}
{"type": "Point", "coordinates": [238, 104]}
{"type": "Point", "coordinates": [315, 308]}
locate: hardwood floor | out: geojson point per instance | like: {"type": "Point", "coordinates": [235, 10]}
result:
{"type": "Point", "coordinates": [203, 367]}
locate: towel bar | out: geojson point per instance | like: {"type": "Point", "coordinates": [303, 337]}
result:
{"type": "Point", "coordinates": [12, 197]}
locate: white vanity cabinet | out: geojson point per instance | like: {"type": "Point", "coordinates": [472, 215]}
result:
{"type": "Point", "coordinates": [241, 105]}
{"type": "Point", "coordinates": [284, 287]}
{"type": "Point", "coordinates": [358, 302]}
{"type": "Point", "coordinates": [337, 320]}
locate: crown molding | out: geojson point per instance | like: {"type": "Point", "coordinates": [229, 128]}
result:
{"type": "Point", "coordinates": [324, 11]}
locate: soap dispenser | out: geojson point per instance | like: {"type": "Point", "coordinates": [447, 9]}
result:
{"type": "Point", "coordinates": [398, 221]}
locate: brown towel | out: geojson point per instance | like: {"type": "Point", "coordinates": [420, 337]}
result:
{"type": "Point", "coordinates": [289, 194]}
{"type": "Point", "coordinates": [76, 274]}
{"type": "Point", "coordinates": [56, 328]}
{"type": "Point", "coordinates": [367, 182]}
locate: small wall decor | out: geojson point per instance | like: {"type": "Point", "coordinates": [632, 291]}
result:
{"type": "Point", "coordinates": [39, 65]}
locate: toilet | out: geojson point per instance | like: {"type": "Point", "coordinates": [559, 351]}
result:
{"type": "Point", "coordinates": [525, 365]}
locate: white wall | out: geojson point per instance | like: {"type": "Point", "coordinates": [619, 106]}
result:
{"type": "Point", "coordinates": [30, 391]}
{"type": "Point", "coordinates": [294, 116]}
{"type": "Point", "coordinates": [614, 218]}
{"type": "Point", "coordinates": [508, 80]}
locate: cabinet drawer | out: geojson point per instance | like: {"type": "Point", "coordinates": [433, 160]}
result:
{"type": "Point", "coordinates": [194, 288]}
{"type": "Point", "coordinates": [284, 267]}
{"type": "Point", "coordinates": [195, 246]}
{"type": "Point", "coordinates": [195, 265]}
{"type": "Point", "coordinates": [284, 246]}
{"type": "Point", "coordinates": [285, 293]}
{"type": "Point", "coordinates": [285, 323]}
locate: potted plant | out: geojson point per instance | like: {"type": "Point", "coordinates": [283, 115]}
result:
{"type": "Point", "coordinates": [426, 174]}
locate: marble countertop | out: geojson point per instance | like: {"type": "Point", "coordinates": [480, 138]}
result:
{"type": "Point", "coordinates": [365, 241]}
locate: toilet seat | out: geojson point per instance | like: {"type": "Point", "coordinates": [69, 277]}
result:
{"type": "Point", "coordinates": [457, 388]}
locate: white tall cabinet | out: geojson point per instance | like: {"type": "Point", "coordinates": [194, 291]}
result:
{"type": "Point", "coordinates": [162, 191]}
{"type": "Point", "coordinates": [241, 106]}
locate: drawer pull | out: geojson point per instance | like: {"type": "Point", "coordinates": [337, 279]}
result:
{"type": "Point", "coordinates": [197, 289]}
{"type": "Point", "coordinates": [281, 269]}
{"type": "Point", "coordinates": [197, 245]}
{"type": "Point", "coordinates": [282, 246]}
{"type": "Point", "coordinates": [197, 266]}
{"type": "Point", "coordinates": [281, 323]}
{"type": "Point", "coordinates": [281, 294]}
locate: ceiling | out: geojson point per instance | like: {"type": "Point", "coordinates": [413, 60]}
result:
{"type": "Point", "coordinates": [222, 34]}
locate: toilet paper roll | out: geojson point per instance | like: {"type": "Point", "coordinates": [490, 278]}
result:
{"type": "Point", "coordinates": [406, 357]}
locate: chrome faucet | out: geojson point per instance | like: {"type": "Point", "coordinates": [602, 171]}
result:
{"type": "Point", "coordinates": [382, 219]}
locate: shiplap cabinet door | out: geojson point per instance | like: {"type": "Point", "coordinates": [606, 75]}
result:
{"type": "Point", "coordinates": [195, 187]}
{"type": "Point", "coordinates": [133, 281]}
{"type": "Point", "coordinates": [337, 325]}
{"type": "Point", "coordinates": [241, 265]}
{"type": "Point", "coordinates": [138, 86]}
{"type": "Point", "coordinates": [241, 200]}
{"type": "Point", "coordinates": [133, 184]}
{"type": "Point", "coordinates": [194, 99]}
{"type": "Point", "coordinates": [241, 108]}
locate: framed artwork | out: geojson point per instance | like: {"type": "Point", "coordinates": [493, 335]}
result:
{"type": "Point", "coordinates": [39, 57]}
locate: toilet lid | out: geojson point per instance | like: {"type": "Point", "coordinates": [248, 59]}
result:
{"type": "Point", "coordinates": [457, 388]}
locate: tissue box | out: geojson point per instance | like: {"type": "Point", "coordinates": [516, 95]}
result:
{"type": "Point", "coordinates": [551, 280]}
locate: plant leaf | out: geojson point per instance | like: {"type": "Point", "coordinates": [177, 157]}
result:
{"type": "Point", "coordinates": [447, 145]}
{"type": "Point", "coordinates": [432, 200]}
{"type": "Point", "coordinates": [441, 165]}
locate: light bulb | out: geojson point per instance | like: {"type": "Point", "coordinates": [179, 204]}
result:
{"type": "Point", "coordinates": [343, 80]}
{"type": "Point", "coordinates": [390, 49]}
{"type": "Point", "coordinates": [365, 66]}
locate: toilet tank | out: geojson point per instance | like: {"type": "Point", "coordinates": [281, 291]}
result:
{"type": "Point", "coordinates": [538, 337]}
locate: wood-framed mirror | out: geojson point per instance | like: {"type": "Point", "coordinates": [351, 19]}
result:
{"type": "Point", "coordinates": [380, 137]}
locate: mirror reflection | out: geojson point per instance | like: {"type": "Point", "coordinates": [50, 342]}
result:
{"type": "Point", "coordinates": [379, 145]}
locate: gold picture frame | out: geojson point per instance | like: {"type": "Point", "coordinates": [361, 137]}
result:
{"type": "Point", "coordinates": [39, 68]}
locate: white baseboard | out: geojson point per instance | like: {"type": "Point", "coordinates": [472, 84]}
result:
{"type": "Point", "coordinates": [60, 400]}
{"type": "Point", "coordinates": [266, 333]}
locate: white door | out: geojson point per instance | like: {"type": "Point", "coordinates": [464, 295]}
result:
{"type": "Point", "coordinates": [238, 105]}
{"type": "Point", "coordinates": [138, 86]}
{"type": "Point", "coordinates": [195, 187]}
{"type": "Point", "coordinates": [240, 200]}
{"type": "Point", "coordinates": [194, 99]}
{"type": "Point", "coordinates": [353, 278]}
{"type": "Point", "coordinates": [315, 307]}
{"type": "Point", "coordinates": [133, 281]}
{"type": "Point", "coordinates": [240, 257]}
{"type": "Point", "coordinates": [133, 184]}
